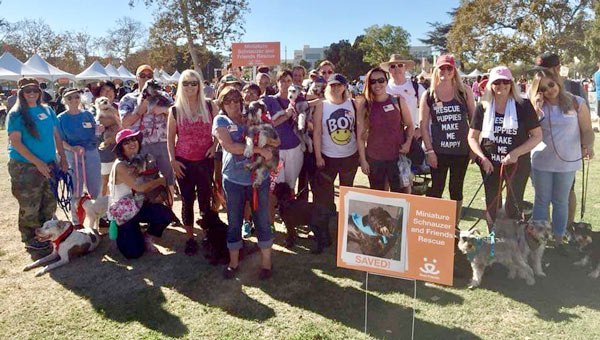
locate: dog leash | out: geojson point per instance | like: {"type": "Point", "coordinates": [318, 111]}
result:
{"type": "Point", "coordinates": [78, 184]}
{"type": "Point", "coordinates": [584, 185]}
{"type": "Point", "coordinates": [62, 186]}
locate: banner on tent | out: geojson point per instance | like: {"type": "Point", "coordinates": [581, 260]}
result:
{"type": "Point", "coordinates": [255, 53]}
{"type": "Point", "coordinates": [396, 234]}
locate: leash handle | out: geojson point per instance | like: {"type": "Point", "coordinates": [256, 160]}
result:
{"type": "Point", "coordinates": [584, 186]}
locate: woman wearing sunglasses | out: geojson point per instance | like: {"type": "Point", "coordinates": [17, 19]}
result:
{"type": "Point", "coordinates": [230, 131]}
{"type": "Point", "coordinates": [34, 141]}
{"type": "Point", "coordinates": [385, 124]}
{"type": "Point", "coordinates": [78, 131]}
{"type": "Point", "coordinates": [444, 112]}
{"type": "Point", "coordinates": [191, 149]}
{"type": "Point", "coordinates": [504, 129]}
{"type": "Point", "coordinates": [567, 137]}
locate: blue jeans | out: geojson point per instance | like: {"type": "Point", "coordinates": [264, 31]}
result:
{"type": "Point", "coordinates": [552, 187]}
{"type": "Point", "coordinates": [237, 196]}
{"type": "Point", "coordinates": [92, 176]}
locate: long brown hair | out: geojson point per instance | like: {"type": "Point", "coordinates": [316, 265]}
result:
{"type": "Point", "coordinates": [566, 100]}
{"type": "Point", "coordinates": [369, 96]}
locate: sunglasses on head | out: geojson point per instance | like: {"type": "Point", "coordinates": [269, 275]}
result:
{"type": "Point", "coordinates": [189, 83]}
{"type": "Point", "coordinates": [393, 66]}
{"type": "Point", "coordinates": [545, 88]}
{"type": "Point", "coordinates": [446, 68]}
{"type": "Point", "coordinates": [378, 80]}
{"type": "Point", "coordinates": [502, 81]}
{"type": "Point", "coordinates": [31, 90]}
{"type": "Point", "coordinates": [145, 75]}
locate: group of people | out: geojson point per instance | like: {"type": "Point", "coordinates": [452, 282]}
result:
{"type": "Point", "coordinates": [199, 143]}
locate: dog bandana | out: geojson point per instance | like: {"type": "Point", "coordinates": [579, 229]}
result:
{"type": "Point", "coordinates": [366, 229]}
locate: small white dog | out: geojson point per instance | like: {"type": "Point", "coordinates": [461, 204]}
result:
{"type": "Point", "coordinates": [68, 244]}
{"type": "Point", "coordinates": [94, 209]}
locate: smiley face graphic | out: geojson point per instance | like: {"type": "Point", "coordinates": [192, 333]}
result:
{"type": "Point", "coordinates": [340, 125]}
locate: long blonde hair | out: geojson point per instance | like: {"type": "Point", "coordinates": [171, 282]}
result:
{"type": "Point", "coordinates": [566, 100]}
{"type": "Point", "coordinates": [182, 104]}
{"type": "Point", "coordinates": [459, 88]}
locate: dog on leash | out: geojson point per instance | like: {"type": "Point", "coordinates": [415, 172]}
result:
{"type": "Point", "coordinates": [532, 236]}
{"type": "Point", "coordinates": [94, 210]}
{"type": "Point", "coordinates": [68, 244]}
{"type": "Point", "coordinates": [259, 133]}
{"type": "Point", "coordinates": [147, 170]}
{"type": "Point", "coordinates": [505, 251]}
{"type": "Point", "coordinates": [216, 238]}
{"type": "Point", "coordinates": [588, 242]}
{"type": "Point", "coordinates": [108, 117]}
{"type": "Point", "coordinates": [294, 213]}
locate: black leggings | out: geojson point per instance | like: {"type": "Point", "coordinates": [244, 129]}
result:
{"type": "Point", "coordinates": [517, 184]}
{"type": "Point", "coordinates": [457, 165]}
{"type": "Point", "coordinates": [196, 182]}
{"type": "Point", "coordinates": [379, 171]}
{"type": "Point", "coordinates": [306, 176]}
{"type": "Point", "coordinates": [325, 177]}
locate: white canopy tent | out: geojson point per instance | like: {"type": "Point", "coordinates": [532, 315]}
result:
{"type": "Point", "coordinates": [175, 76]}
{"type": "Point", "coordinates": [125, 74]}
{"type": "Point", "coordinates": [53, 72]}
{"type": "Point", "coordinates": [166, 76]}
{"type": "Point", "coordinates": [93, 72]}
{"type": "Point", "coordinates": [112, 72]}
{"type": "Point", "coordinates": [14, 65]}
{"type": "Point", "coordinates": [461, 73]}
{"type": "Point", "coordinates": [475, 73]}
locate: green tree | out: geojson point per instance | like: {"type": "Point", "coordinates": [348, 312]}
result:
{"type": "Point", "coordinates": [347, 58]}
{"type": "Point", "coordinates": [379, 42]}
{"type": "Point", "coordinates": [517, 30]}
{"type": "Point", "coordinates": [305, 64]}
{"type": "Point", "coordinates": [437, 37]}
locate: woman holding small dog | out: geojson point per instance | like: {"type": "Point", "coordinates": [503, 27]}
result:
{"type": "Point", "coordinates": [130, 240]}
{"type": "Point", "coordinates": [230, 129]}
{"type": "Point", "coordinates": [504, 130]}
{"type": "Point", "coordinates": [34, 141]}
{"type": "Point", "coordinates": [78, 130]}
{"type": "Point", "coordinates": [385, 124]}
{"type": "Point", "coordinates": [111, 125]}
{"type": "Point", "coordinates": [191, 149]}
{"type": "Point", "coordinates": [444, 112]}
{"type": "Point", "coordinates": [567, 137]}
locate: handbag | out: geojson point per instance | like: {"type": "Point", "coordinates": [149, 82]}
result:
{"type": "Point", "coordinates": [123, 210]}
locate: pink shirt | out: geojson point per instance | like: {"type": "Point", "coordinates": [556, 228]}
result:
{"type": "Point", "coordinates": [386, 131]}
{"type": "Point", "coordinates": [193, 139]}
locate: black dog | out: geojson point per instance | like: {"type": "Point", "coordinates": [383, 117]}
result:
{"type": "Point", "coordinates": [216, 238]}
{"type": "Point", "coordinates": [588, 242]}
{"type": "Point", "coordinates": [382, 224]}
{"type": "Point", "coordinates": [296, 213]}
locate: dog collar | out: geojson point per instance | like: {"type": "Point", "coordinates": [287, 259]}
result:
{"type": "Point", "coordinates": [491, 239]}
{"type": "Point", "coordinates": [62, 237]}
{"type": "Point", "coordinates": [149, 172]}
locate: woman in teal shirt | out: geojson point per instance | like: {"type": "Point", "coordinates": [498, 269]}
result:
{"type": "Point", "coordinates": [34, 140]}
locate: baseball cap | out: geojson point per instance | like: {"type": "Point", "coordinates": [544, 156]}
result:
{"type": "Point", "coordinates": [445, 59]}
{"type": "Point", "coordinates": [144, 67]}
{"type": "Point", "coordinates": [230, 79]}
{"type": "Point", "coordinates": [547, 60]}
{"type": "Point", "coordinates": [500, 72]}
{"type": "Point", "coordinates": [337, 78]}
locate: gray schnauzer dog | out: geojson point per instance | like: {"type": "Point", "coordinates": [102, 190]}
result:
{"type": "Point", "coordinates": [532, 237]}
{"type": "Point", "coordinates": [147, 170]}
{"type": "Point", "coordinates": [505, 251]}
{"type": "Point", "coordinates": [259, 133]}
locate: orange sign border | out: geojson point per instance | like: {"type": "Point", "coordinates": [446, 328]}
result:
{"type": "Point", "coordinates": [257, 60]}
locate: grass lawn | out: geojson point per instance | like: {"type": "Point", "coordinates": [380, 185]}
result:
{"type": "Point", "coordinates": [169, 296]}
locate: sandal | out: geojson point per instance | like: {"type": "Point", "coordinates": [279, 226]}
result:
{"type": "Point", "coordinates": [191, 247]}
{"type": "Point", "coordinates": [229, 272]}
{"type": "Point", "coordinates": [265, 273]}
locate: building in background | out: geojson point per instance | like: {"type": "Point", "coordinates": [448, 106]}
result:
{"type": "Point", "coordinates": [310, 54]}
{"type": "Point", "coordinates": [418, 52]}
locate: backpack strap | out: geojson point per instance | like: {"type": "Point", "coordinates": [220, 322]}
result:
{"type": "Point", "coordinates": [415, 85]}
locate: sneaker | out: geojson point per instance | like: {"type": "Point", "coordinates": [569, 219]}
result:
{"type": "Point", "coordinates": [246, 229]}
{"type": "Point", "coordinates": [191, 247]}
{"type": "Point", "coordinates": [37, 245]}
{"type": "Point", "coordinates": [229, 272]}
{"type": "Point", "coordinates": [265, 274]}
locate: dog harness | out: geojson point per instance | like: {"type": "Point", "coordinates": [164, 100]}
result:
{"type": "Point", "coordinates": [491, 239]}
{"type": "Point", "coordinates": [62, 237]}
{"type": "Point", "coordinates": [365, 228]}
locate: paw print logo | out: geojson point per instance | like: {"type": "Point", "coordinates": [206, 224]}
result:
{"type": "Point", "coordinates": [429, 267]}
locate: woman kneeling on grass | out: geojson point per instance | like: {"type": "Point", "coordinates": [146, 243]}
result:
{"type": "Point", "coordinates": [130, 240]}
{"type": "Point", "coordinates": [567, 137]}
{"type": "Point", "coordinates": [509, 129]}
{"type": "Point", "coordinates": [230, 129]}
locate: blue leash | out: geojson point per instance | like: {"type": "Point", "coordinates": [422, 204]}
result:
{"type": "Point", "coordinates": [62, 186]}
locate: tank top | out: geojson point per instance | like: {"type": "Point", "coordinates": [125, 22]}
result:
{"type": "Point", "coordinates": [117, 191]}
{"type": "Point", "coordinates": [339, 137]}
{"type": "Point", "coordinates": [193, 138]}
{"type": "Point", "coordinates": [386, 131]}
{"type": "Point", "coordinates": [449, 126]}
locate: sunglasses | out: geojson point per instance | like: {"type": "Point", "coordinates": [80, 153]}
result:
{"type": "Point", "coordinates": [129, 140]}
{"type": "Point", "coordinates": [31, 90]}
{"type": "Point", "coordinates": [327, 72]}
{"type": "Point", "coordinates": [545, 88]}
{"type": "Point", "coordinates": [145, 75]}
{"type": "Point", "coordinates": [76, 97]}
{"type": "Point", "coordinates": [446, 68]}
{"type": "Point", "coordinates": [378, 80]}
{"type": "Point", "coordinates": [227, 101]}
{"type": "Point", "coordinates": [189, 83]}
{"type": "Point", "coordinates": [502, 81]}
{"type": "Point", "coordinates": [393, 66]}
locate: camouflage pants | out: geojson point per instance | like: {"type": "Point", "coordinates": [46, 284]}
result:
{"type": "Point", "coordinates": [36, 199]}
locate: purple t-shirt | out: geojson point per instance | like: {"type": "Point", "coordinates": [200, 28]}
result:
{"type": "Point", "coordinates": [288, 138]}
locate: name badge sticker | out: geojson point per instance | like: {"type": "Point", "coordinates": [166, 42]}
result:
{"type": "Point", "coordinates": [388, 108]}
{"type": "Point", "coordinates": [87, 125]}
{"type": "Point", "coordinates": [42, 116]}
{"type": "Point", "coordinates": [439, 104]}
{"type": "Point", "coordinates": [232, 128]}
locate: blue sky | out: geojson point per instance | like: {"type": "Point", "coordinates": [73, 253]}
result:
{"type": "Point", "coordinates": [316, 23]}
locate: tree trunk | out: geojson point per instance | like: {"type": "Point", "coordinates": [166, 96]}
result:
{"type": "Point", "coordinates": [188, 33]}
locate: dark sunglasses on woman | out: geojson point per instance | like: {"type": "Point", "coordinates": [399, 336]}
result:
{"type": "Point", "coordinates": [189, 83]}
{"type": "Point", "coordinates": [502, 81]}
{"type": "Point", "coordinates": [378, 80]}
{"type": "Point", "coordinates": [545, 88]}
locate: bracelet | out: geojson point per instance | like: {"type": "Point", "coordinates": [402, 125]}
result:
{"type": "Point", "coordinates": [429, 151]}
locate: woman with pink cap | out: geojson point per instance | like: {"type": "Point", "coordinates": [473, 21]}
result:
{"type": "Point", "coordinates": [444, 112]}
{"type": "Point", "coordinates": [503, 131]}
